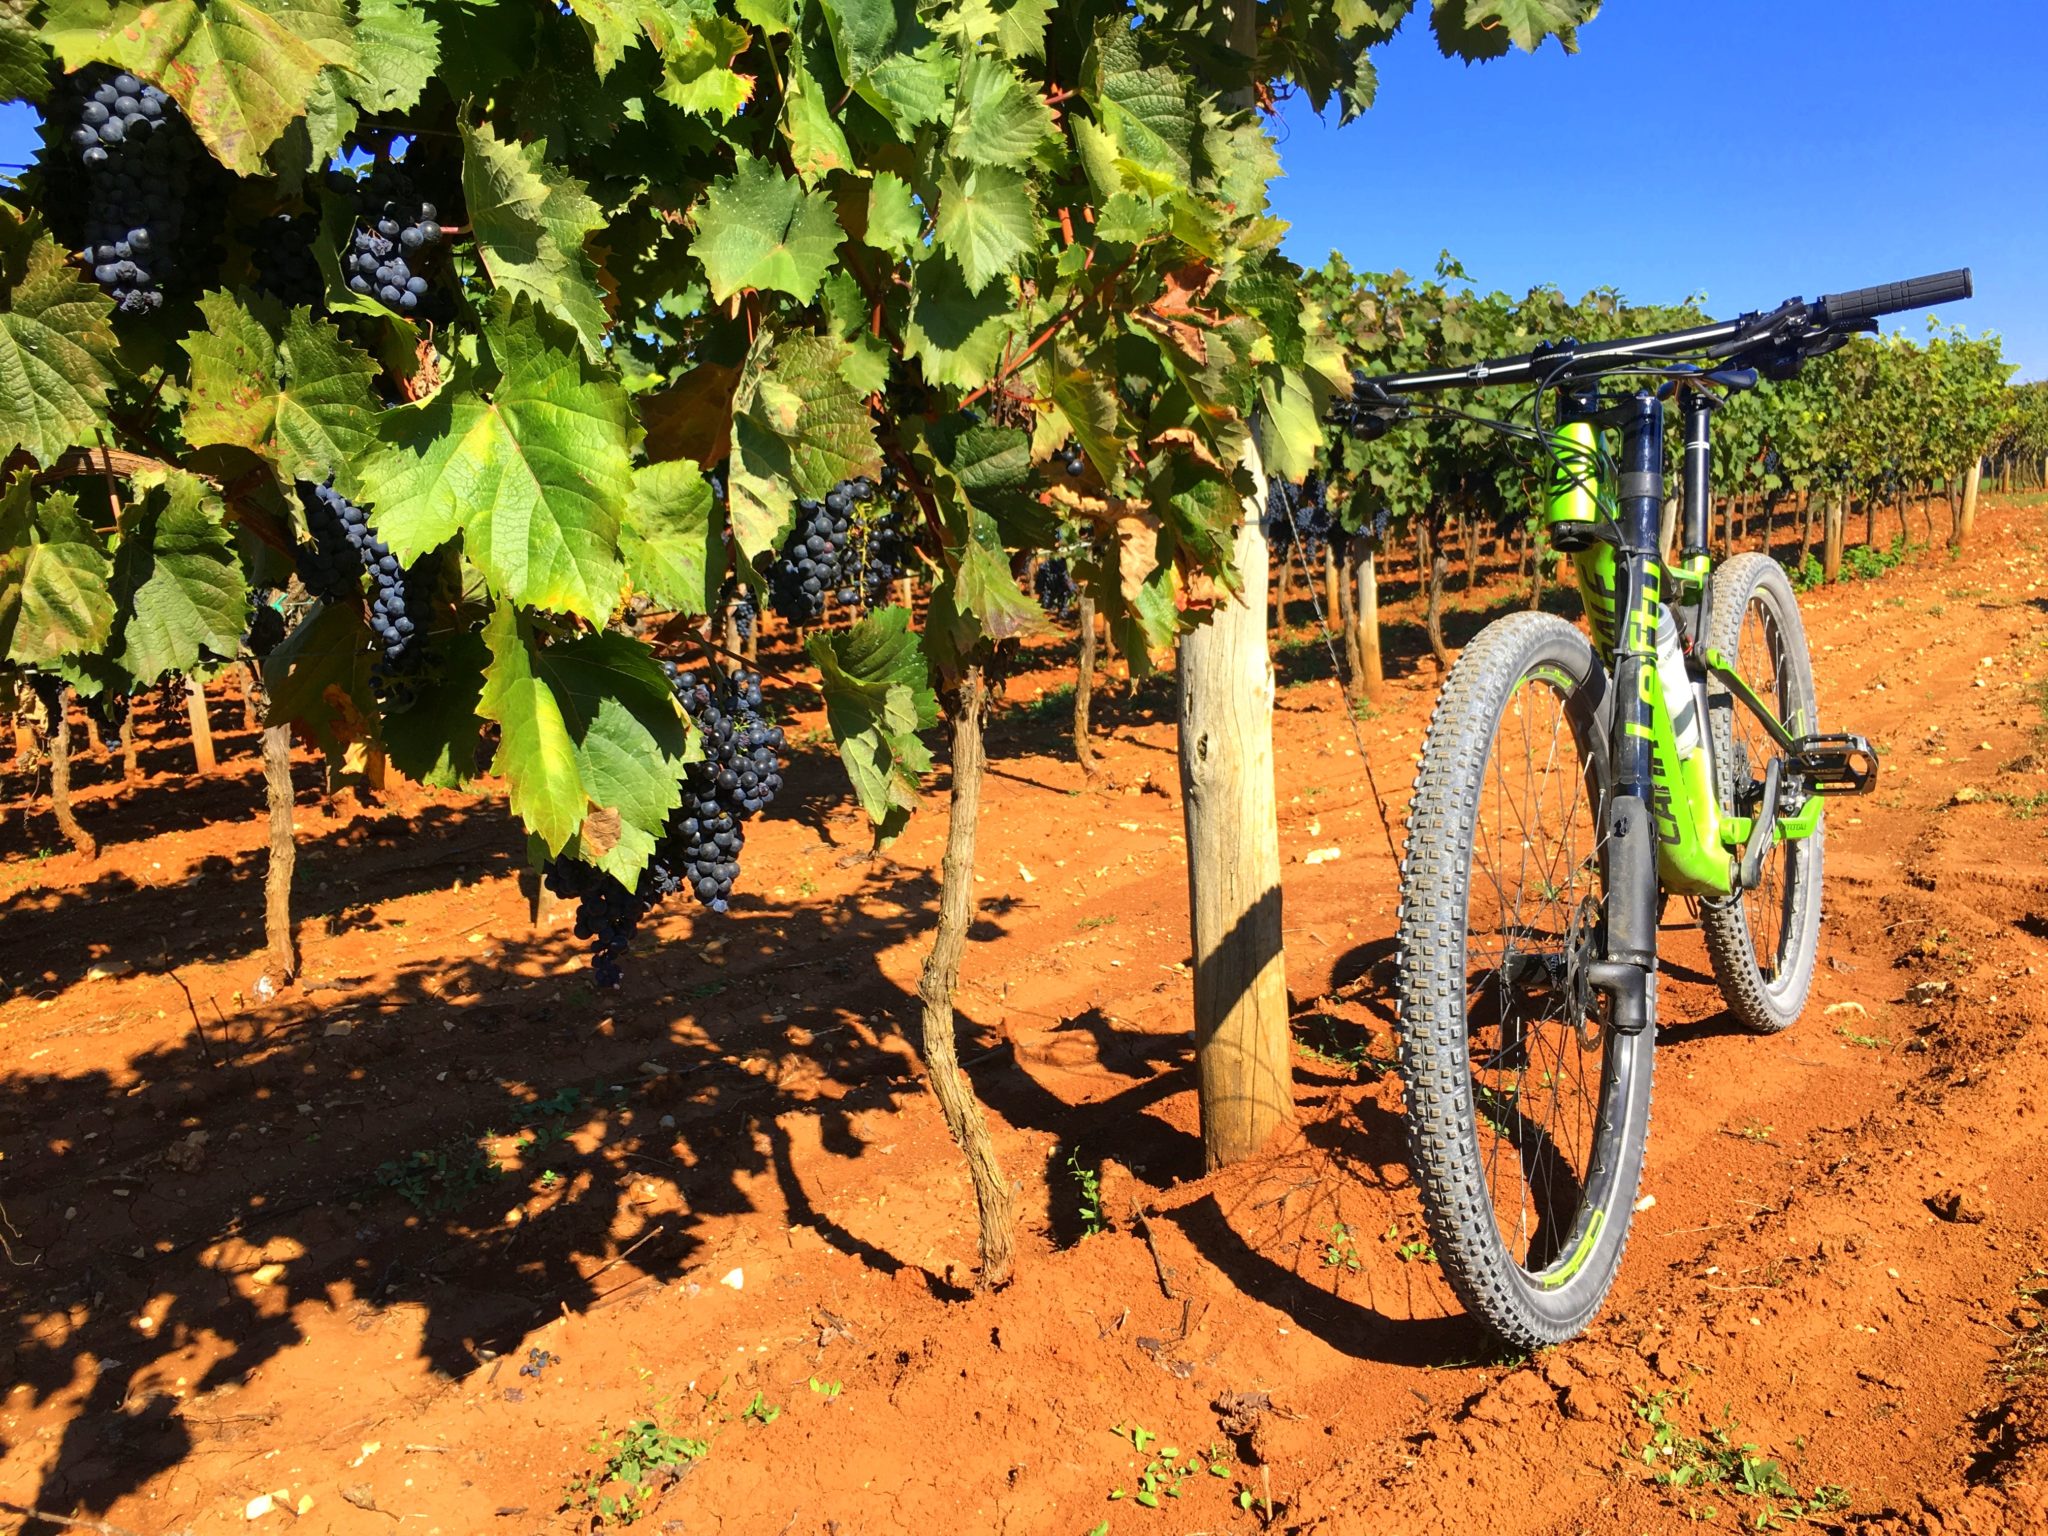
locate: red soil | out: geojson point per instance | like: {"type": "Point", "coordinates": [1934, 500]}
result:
{"type": "Point", "coordinates": [728, 1180]}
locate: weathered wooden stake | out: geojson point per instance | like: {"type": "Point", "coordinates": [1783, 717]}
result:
{"type": "Point", "coordinates": [995, 1204]}
{"type": "Point", "coordinates": [1084, 687]}
{"type": "Point", "coordinates": [60, 779]}
{"type": "Point", "coordinates": [202, 726]}
{"type": "Point", "coordinates": [1243, 1056]}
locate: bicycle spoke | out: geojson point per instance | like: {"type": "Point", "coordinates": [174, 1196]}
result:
{"type": "Point", "coordinates": [1535, 1085]}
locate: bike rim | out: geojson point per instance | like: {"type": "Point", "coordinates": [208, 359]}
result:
{"type": "Point", "coordinates": [1540, 1059]}
{"type": "Point", "coordinates": [1762, 661]}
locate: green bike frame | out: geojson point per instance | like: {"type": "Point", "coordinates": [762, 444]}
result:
{"type": "Point", "coordinates": [1698, 848]}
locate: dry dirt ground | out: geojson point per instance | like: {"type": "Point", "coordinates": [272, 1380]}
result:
{"type": "Point", "coordinates": [440, 1239]}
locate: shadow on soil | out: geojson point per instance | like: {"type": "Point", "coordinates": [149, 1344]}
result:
{"type": "Point", "coordinates": [372, 1142]}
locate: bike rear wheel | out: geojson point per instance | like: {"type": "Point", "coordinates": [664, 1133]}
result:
{"type": "Point", "coordinates": [1527, 1115]}
{"type": "Point", "coordinates": [1763, 942]}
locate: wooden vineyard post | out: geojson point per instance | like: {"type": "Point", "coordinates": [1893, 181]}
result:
{"type": "Point", "coordinates": [994, 1203]}
{"type": "Point", "coordinates": [202, 727]}
{"type": "Point", "coordinates": [1833, 515]}
{"type": "Point", "coordinates": [282, 959]}
{"type": "Point", "coordinates": [1243, 1055]}
{"type": "Point", "coordinates": [60, 778]}
{"type": "Point", "coordinates": [1084, 686]}
{"type": "Point", "coordinates": [252, 708]}
{"type": "Point", "coordinates": [130, 769]}
{"type": "Point", "coordinates": [1966, 522]}
{"type": "Point", "coordinates": [1365, 610]}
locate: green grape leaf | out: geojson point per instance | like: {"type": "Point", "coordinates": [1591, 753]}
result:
{"type": "Point", "coordinates": [1089, 405]}
{"type": "Point", "coordinates": [304, 403]}
{"type": "Point", "coordinates": [536, 754]}
{"type": "Point", "coordinates": [878, 696]}
{"type": "Point", "coordinates": [177, 580]}
{"type": "Point", "coordinates": [1485, 29]}
{"type": "Point", "coordinates": [862, 33]}
{"type": "Point", "coordinates": [1130, 219]}
{"type": "Point", "coordinates": [956, 332]}
{"type": "Point", "coordinates": [434, 740]}
{"type": "Point", "coordinates": [805, 402]}
{"type": "Point", "coordinates": [241, 70]}
{"type": "Point", "coordinates": [1290, 427]}
{"type": "Point", "coordinates": [398, 50]}
{"type": "Point", "coordinates": [56, 346]}
{"type": "Point", "coordinates": [985, 592]}
{"type": "Point", "coordinates": [613, 26]}
{"type": "Point", "coordinates": [817, 144]}
{"type": "Point", "coordinates": [986, 220]}
{"type": "Point", "coordinates": [1145, 110]}
{"type": "Point", "coordinates": [54, 579]}
{"type": "Point", "coordinates": [894, 223]}
{"type": "Point", "coordinates": [997, 118]}
{"type": "Point", "coordinates": [534, 476]}
{"type": "Point", "coordinates": [698, 74]}
{"type": "Point", "coordinates": [630, 738]}
{"type": "Point", "coordinates": [760, 229]}
{"type": "Point", "coordinates": [986, 457]}
{"type": "Point", "coordinates": [673, 538]}
{"type": "Point", "coordinates": [318, 678]}
{"type": "Point", "coordinates": [909, 88]}
{"type": "Point", "coordinates": [24, 62]}
{"type": "Point", "coordinates": [774, 17]}
{"type": "Point", "coordinates": [531, 219]}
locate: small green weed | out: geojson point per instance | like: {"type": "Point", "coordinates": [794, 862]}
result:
{"type": "Point", "coordinates": [1753, 1129]}
{"type": "Point", "coordinates": [761, 1411]}
{"type": "Point", "coordinates": [1340, 1252]}
{"type": "Point", "coordinates": [1408, 1250]}
{"type": "Point", "coordinates": [641, 1462]}
{"type": "Point", "coordinates": [1100, 920]}
{"type": "Point", "coordinates": [1087, 1179]}
{"type": "Point", "coordinates": [1056, 703]}
{"type": "Point", "coordinates": [1335, 1042]}
{"type": "Point", "coordinates": [437, 1180]}
{"type": "Point", "coordinates": [1167, 1471]}
{"type": "Point", "coordinates": [828, 1390]}
{"type": "Point", "coordinates": [1717, 1462]}
{"type": "Point", "coordinates": [1868, 1042]}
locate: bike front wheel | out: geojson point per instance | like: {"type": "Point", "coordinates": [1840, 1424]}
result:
{"type": "Point", "coordinates": [1763, 942]}
{"type": "Point", "coordinates": [1527, 1115]}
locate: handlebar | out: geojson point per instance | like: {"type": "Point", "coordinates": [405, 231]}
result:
{"type": "Point", "coordinates": [1792, 324]}
{"type": "Point", "coordinates": [1890, 298]}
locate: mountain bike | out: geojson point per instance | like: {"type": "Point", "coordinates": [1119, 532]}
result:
{"type": "Point", "coordinates": [1570, 783]}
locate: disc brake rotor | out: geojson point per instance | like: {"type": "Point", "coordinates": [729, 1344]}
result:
{"type": "Point", "coordinates": [1582, 947]}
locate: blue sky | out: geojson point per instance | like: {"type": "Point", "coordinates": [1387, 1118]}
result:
{"type": "Point", "coordinates": [1791, 146]}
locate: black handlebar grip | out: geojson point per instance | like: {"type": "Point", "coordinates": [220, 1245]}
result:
{"type": "Point", "coordinates": [1890, 298]}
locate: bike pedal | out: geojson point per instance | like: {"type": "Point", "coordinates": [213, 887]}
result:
{"type": "Point", "coordinates": [1839, 764]}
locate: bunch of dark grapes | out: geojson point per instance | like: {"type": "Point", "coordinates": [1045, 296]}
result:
{"type": "Point", "coordinates": [607, 912]}
{"type": "Point", "coordinates": [744, 613]}
{"type": "Point", "coordinates": [699, 848]}
{"type": "Point", "coordinates": [835, 550]}
{"type": "Point", "coordinates": [1054, 584]}
{"type": "Point", "coordinates": [281, 251]}
{"type": "Point", "coordinates": [345, 548]}
{"type": "Point", "coordinates": [266, 628]}
{"type": "Point", "coordinates": [1298, 513]}
{"type": "Point", "coordinates": [1071, 459]}
{"type": "Point", "coordinates": [387, 249]}
{"type": "Point", "coordinates": [108, 708]}
{"type": "Point", "coordinates": [138, 158]}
